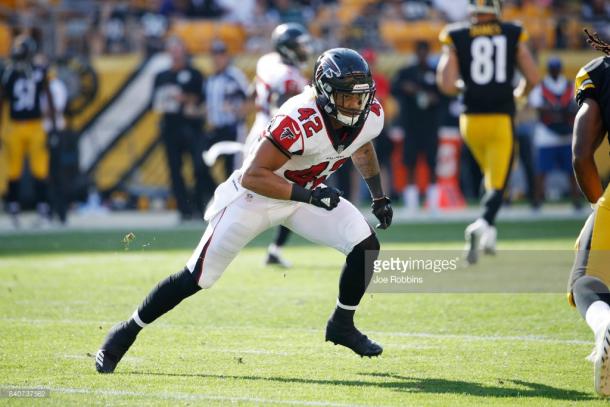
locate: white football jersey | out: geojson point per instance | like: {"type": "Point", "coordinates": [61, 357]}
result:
{"type": "Point", "coordinates": [274, 77]}
{"type": "Point", "coordinates": [300, 131]}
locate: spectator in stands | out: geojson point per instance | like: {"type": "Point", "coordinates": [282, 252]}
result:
{"type": "Point", "coordinates": [392, 11]}
{"type": "Point", "coordinates": [420, 113]}
{"type": "Point", "coordinates": [168, 8]}
{"type": "Point", "coordinates": [204, 9]}
{"type": "Point", "coordinates": [238, 11]}
{"type": "Point", "coordinates": [154, 26]}
{"type": "Point", "coordinates": [114, 24]}
{"type": "Point", "coordinates": [417, 9]}
{"type": "Point", "coordinates": [259, 27]}
{"type": "Point", "coordinates": [363, 32]}
{"type": "Point", "coordinates": [554, 99]}
{"type": "Point", "coordinates": [177, 96]}
{"type": "Point", "coordinates": [288, 11]}
{"type": "Point", "coordinates": [452, 10]}
{"type": "Point", "coordinates": [77, 30]}
{"type": "Point", "coordinates": [597, 13]}
{"type": "Point", "coordinates": [225, 93]}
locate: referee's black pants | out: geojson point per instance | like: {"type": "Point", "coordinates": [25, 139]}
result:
{"type": "Point", "coordinates": [180, 137]}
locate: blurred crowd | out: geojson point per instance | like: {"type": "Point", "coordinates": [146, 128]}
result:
{"type": "Point", "coordinates": [414, 148]}
{"type": "Point", "coordinates": [121, 26]}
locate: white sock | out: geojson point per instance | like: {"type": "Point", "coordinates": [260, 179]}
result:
{"type": "Point", "coordinates": [410, 196]}
{"type": "Point", "coordinates": [273, 249]}
{"type": "Point", "coordinates": [13, 208]}
{"type": "Point", "coordinates": [346, 307]}
{"type": "Point", "coordinates": [432, 197]}
{"type": "Point", "coordinates": [43, 209]}
{"type": "Point", "coordinates": [598, 316]}
{"type": "Point", "coordinates": [136, 317]}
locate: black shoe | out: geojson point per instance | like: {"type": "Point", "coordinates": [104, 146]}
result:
{"type": "Point", "coordinates": [117, 342]}
{"type": "Point", "coordinates": [352, 338]}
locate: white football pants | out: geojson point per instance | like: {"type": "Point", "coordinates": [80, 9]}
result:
{"type": "Point", "coordinates": [251, 214]}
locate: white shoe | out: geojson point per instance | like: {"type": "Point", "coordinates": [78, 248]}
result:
{"type": "Point", "coordinates": [473, 234]}
{"type": "Point", "coordinates": [410, 196]}
{"type": "Point", "coordinates": [41, 223]}
{"type": "Point", "coordinates": [15, 221]}
{"type": "Point", "coordinates": [13, 210]}
{"type": "Point", "coordinates": [432, 198]}
{"type": "Point", "coordinates": [275, 258]}
{"type": "Point", "coordinates": [601, 362]}
{"type": "Point", "coordinates": [488, 240]}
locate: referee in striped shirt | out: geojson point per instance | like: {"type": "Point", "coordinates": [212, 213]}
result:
{"type": "Point", "coordinates": [225, 94]}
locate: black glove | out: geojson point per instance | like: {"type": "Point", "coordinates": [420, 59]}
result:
{"type": "Point", "coordinates": [327, 198]}
{"type": "Point", "coordinates": [382, 209]}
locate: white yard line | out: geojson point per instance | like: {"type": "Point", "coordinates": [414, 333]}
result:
{"type": "Point", "coordinates": [249, 351]}
{"type": "Point", "coordinates": [508, 338]}
{"type": "Point", "coordinates": [185, 396]}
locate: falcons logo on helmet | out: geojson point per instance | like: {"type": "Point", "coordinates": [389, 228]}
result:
{"type": "Point", "coordinates": [329, 69]}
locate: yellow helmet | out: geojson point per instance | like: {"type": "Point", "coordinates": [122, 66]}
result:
{"type": "Point", "coordinates": [485, 7]}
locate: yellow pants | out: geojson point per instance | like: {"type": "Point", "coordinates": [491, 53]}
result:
{"type": "Point", "coordinates": [26, 139]}
{"type": "Point", "coordinates": [490, 139]}
{"type": "Point", "coordinates": [593, 246]}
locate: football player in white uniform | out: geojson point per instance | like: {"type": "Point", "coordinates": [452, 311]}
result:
{"type": "Point", "coordinates": [278, 78]}
{"type": "Point", "coordinates": [282, 182]}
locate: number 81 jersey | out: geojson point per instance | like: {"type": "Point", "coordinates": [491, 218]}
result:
{"type": "Point", "coordinates": [301, 132]}
{"type": "Point", "coordinates": [487, 55]}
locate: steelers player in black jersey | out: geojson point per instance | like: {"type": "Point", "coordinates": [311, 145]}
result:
{"type": "Point", "coordinates": [590, 278]}
{"type": "Point", "coordinates": [479, 59]}
{"type": "Point", "coordinates": [22, 84]}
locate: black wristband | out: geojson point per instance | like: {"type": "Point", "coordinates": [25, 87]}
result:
{"type": "Point", "coordinates": [300, 194]}
{"type": "Point", "coordinates": [374, 184]}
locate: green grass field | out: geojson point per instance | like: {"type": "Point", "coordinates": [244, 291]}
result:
{"type": "Point", "coordinates": [256, 338]}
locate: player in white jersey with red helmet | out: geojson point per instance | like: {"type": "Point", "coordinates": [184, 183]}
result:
{"type": "Point", "coordinates": [278, 78]}
{"type": "Point", "coordinates": [282, 182]}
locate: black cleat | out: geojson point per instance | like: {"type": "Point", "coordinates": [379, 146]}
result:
{"type": "Point", "coordinates": [116, 344]}
{"type": "Point", "coordinates": [352, 338]}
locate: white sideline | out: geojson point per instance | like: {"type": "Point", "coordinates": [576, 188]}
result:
{"type": "Point", "coordinates": [509, 338]}
{"type": "Point", "coordinates": [186, 396]}
{"type": "Point", "coordinates": [169, 220]}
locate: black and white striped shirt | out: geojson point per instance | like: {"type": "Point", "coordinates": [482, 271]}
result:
{"type": "Point", "coordinates": [225, 93]}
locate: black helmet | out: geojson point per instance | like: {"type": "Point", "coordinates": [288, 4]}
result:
{"type": "Point", "coordinates": [485, 7]}
{"type": "Point", "coordinates": [342, 71]}
{"type": "Point", "coordinates": [292, 42]}
{"type": "Point", "coordinates": [24, 48]}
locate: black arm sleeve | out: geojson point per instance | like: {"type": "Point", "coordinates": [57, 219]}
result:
{"type": "Point", "coordinates": [374, 184]}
